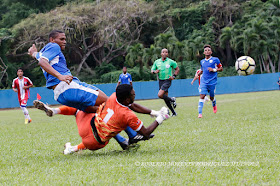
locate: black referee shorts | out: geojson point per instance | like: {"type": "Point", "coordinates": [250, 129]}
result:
{"type": "Point", "coordinates": [164, 84]}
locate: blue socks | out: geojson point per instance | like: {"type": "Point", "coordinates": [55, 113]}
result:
{"type": "Point", "coordinates": [130, 132]}
{"type": "Point", "coordinates": [119, 138]}
{"type": "Point", "coordinates": [214, 102]}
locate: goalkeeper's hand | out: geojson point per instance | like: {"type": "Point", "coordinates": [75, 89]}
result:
{"type": "Point", "coordinates": [164, 115]}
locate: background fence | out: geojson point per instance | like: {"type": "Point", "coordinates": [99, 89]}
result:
{"type": "Point", "coordinates": [149, 90]}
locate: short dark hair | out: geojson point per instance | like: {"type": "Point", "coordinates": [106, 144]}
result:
{"type": "Point", "coordinates": [207, 46]}
{"type": "Point", "coordinates": [20, 69]}
{"type": "Point", "coordinates": [123, 91]}
{"type": "Point", "coordinates": [54, 33]}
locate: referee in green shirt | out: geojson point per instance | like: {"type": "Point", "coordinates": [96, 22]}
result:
{"type": "Point", "coordinates": [164, 67]}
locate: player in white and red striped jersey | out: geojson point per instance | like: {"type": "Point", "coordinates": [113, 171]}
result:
{"type": "Point", "coordinates": [198, 76]}
{"type": "Point", "coordinates": [21, 85]}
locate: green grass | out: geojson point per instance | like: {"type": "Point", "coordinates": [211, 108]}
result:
{"type": "Point", "coordinates": [245, 129]}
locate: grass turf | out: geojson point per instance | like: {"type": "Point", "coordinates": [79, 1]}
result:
{"type": "Point", "coordinates": [237, 145]}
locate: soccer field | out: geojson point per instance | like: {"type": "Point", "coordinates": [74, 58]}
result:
{"type": "Point", "coordinates": [239, 145]}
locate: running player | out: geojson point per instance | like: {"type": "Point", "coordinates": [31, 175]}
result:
{"type": "Point", "coordinates": [164, 67]}
{"type": "Point", "coordinates": [21, 85]}
{"type": "Point", "coordinates": [209, 68]}
{"type": "Point", "coordinates": [197, 76]}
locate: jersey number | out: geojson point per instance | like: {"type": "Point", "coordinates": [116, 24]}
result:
{"type": "Point", "coordinates": [108, 115]}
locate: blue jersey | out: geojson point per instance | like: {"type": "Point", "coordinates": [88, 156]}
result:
{"type": "Point", "coordinates": [53, 54]}
{"type": "Point", "coordinates": [125, 78]}
{"type": "Point", "coordinates": [209, 78]}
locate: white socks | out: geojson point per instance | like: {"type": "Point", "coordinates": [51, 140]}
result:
{"type": "Point", "coordinates": [25, 112]}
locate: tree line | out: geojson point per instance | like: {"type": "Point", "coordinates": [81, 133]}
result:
{"type": "Point", "coordinates": [103, 36]}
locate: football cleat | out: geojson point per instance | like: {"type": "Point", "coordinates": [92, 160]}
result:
{"type": "Point", "coordinates": [199, 115]}
{"type": "Point", "coordinates": [30, 120]}
{"type": "Point", "coordinates": [133, 147]}
{"type": "Point", "coordinates": [215, 109]}
{"type": "Point", "coordinates": [68, 149]}
{"type": "Point", "coordinates": [174, 104]}
{"type": "Point", "coordinates": [42, 106]}
{"type": "Point", "coordinates": [138, 138]}
{"type": "Point", "coordinates": [174, 114]}
{"type": "Point", "coordinates": [124, 144]}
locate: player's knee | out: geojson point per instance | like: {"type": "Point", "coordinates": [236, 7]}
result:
{"type": "Point", "coordinates": [202, 96]}
{"type": "Point", "coordinates": [102, 97]}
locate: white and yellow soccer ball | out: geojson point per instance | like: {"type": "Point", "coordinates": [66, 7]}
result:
{"type": "Point", "coordinates": [245, 65]}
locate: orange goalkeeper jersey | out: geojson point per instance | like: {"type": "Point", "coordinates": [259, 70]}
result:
{"type": "Point", "coordinates": [113, 117]}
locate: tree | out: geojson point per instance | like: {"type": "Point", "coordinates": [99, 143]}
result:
{"type": "Point", "coordinates": [101, 32]}
{"type": "Point", "coordinates": [166, 40]}
{"type": "Point", "coordinates": [3, 72]}
{"type": "Point", "coordinates": [151, 54]}
{"type": "Point", "coordinates": [134, 55]}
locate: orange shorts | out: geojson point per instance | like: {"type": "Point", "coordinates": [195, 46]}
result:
{"type": "Point", "coordinates": [85, 131]}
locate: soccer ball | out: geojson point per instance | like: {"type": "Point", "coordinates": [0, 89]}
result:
{"type": "Point", "coordinates": [245, 65]}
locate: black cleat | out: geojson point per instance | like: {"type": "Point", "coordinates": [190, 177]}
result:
{"type": "Point", "coordinates": [124, 144]}
{"type": "Point", "coordinates": [174, 114]}
{"type": "Point", "coordinates": [138, 138]}
{"type": "Point", "coordinates": [174, 104]}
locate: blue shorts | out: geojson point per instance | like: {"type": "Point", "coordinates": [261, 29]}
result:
{"type": "Point", "coordinates": [204, 89]}
{"type": "Point", "coordinates": [78, 94]}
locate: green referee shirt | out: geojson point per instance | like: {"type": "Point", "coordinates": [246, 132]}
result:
{"type": "Point", "coordinates": [165, 67]}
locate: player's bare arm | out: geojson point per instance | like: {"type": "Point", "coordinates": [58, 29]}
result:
{"type": "Point", "coordinates": [177, 70]}
{"type": "Point", "coordinates": [219, 69]}
{"type": "Point", "coordinates": [164, 115]}
{"type": "Point", "coordinates": [195, 78]}
{"type": "Point", "coordinates": [155, 71]}
{"type": "Point", "coordinates": [139, 108]}
{"type": "Point", "coordinates": [32, 51]}
{"type": "Point", "coordinates": [147, 131]}
{"type": "Point", "coordinates": [15, 90]}
{"type": "Point", "coordinates": [49, 69]}
{"type": "Point", "coordinates": [143, 110]}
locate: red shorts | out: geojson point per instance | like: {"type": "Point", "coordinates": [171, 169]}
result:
{"type": "Point", "coordinates": [23, 102]}
{"type": "Point", "coordinates": [85, 131]}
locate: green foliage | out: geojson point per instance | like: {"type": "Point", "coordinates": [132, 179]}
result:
{"type": "Point", "coordinates": [228, 71]}
{"type": "Point", "coordinates": [136, 74]}
{"type": "Point", "coordinates": [15, 13]}
{"type": "Point", "coordinates": [186, 20]}
{"type": "Point", "coordinates": [257, 35]}
{"type": "Point", "coordinates": [233, 28]}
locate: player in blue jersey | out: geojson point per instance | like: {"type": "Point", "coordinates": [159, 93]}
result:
{"type": "Point", "coordinates": [125, 77]}
{"type": "Point", "coordinates": [209, 68]}
{"type": "Point", "coordinates": [69, 90]}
